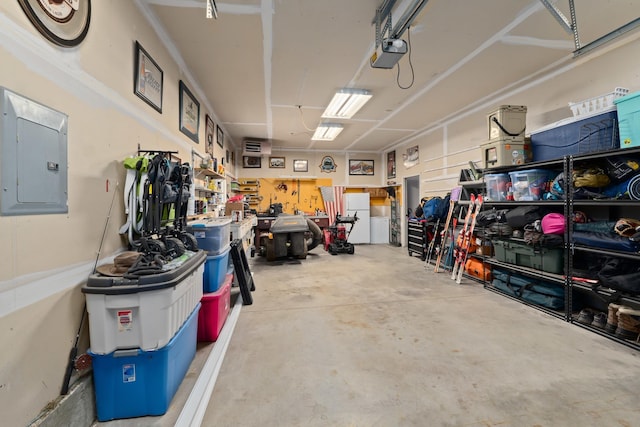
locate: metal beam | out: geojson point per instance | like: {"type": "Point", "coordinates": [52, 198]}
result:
{"type": "Point", "coordinates": [570, 27]}
{"type": "Point", "coordinates": [383, 16]}
{"type": "Point", "coordinates": [607, 37]}
{"type": "Point", "coordinates": [406, 20]}
{"type": "Point", "coordinates": [557, 13]}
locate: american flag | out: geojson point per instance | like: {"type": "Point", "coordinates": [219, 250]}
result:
{"type": "Point", "coordinates": [333, 204]}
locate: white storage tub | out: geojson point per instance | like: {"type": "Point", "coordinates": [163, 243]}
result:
{"type": "Point", "coordinates": [146, 312]}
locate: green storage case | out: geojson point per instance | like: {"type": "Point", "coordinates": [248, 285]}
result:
{"type": "Point", "coordinates": [519, 253]}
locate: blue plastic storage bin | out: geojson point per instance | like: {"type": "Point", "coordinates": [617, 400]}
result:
{"type": "Point", "coordinates": [497, 186]}
{"type": "Point", "coordinates": [213, 235]}
{"type": "Point", "coordinates": [530, 184]}
{"type": "Point", "coordinates": [215, 270]}
{"type": "Point", "coordinates": [135, 383]}
{"type": "Point", "coordinates": [577, 135]}
{"type": "Point", "coordinates": [629, 120]}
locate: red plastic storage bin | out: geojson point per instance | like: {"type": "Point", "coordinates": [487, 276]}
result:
{"type": "Point", "coordinates": [214, 310]}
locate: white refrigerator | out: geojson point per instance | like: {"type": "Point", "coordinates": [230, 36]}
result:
{"type": "Point", "coordinates": [358, 203]}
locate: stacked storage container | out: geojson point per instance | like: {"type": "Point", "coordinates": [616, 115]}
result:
{"type": "Point", "coordinates": [530, 184]}
{"type": "Point", "coordinates": [143, 334]}
{"type": "Point", "coordinates": [506, 145]}
{"type": "Point", "coordinates": [214, 236]}
{"type": "Point", "coordinates": [629, 120]}
{"type": "Point", "coordinates": [498, 186]}
{"type": "Point", "coordinates": [214, 311]}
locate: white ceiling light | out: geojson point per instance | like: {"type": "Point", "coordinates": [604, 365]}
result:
{"type": "Point", "coordinates": [327, 132]}
{"type": "Point", "coordinates": [345, 103]}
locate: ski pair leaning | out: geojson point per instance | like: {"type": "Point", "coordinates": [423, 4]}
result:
{"type": "Point", "coordinates": [475, 204]}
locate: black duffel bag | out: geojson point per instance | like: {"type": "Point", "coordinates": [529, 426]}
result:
{"type": "Point", "coordinates": [523, 215]}
{"type": "Point", "coordinates": [621, 275]}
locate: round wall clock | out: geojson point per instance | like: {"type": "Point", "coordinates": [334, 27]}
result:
{"type": "Point", "coordinates": [63, 22]}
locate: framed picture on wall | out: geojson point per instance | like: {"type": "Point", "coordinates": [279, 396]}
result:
{"type": "Point", "coordinates": [147, 78]}
{"type": "Point", "coordinates": [210, 131]}
{"type": "Point", "coordinates": [300, 165]}
{"type": "Point", "coordinates": [391, 164]}
{"type": "Point", "coordinates": [189, 113]}
{"type": "Point", "coordinates": [251, 162]}
{"type": "Point", "coordinates": [220, 137]}
{"type": "Point", "coordinates": [361, 167]}
{"type": "Point", "coordinates": [276, 162]}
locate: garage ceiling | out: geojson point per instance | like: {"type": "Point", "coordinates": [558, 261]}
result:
{"type": "Point", "coordinates": [268, 68]}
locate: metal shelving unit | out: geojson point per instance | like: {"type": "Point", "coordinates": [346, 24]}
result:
{"type": "Point", "coordinates": [578, 294]}
{"type": "Point", "coordinates": [599, 298]}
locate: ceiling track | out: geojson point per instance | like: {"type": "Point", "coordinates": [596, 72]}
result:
{"type": "Point", "coordinates": [571, 27]}
{"type": "Point", "coordinates": [383, 19]}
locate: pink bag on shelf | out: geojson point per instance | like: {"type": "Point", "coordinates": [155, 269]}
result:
{"type": "Point", "coordinates": [553, 223]}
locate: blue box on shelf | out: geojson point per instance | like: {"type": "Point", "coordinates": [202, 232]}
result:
{"type": "Point", "coordinates": [135, 383]}
{"type": "Point", "coordinates": [629, 120]}
{"type": "Point", "coordinates": [576, 135]}
{"type": "Point", "coordinates": [215, 270]}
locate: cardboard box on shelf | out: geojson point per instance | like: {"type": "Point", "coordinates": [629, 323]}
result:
{"type": "Point", "coordinates": [233, 206]}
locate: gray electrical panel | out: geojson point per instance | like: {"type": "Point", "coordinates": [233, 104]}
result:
{"type": "Point", "coordinates": [33, 157]}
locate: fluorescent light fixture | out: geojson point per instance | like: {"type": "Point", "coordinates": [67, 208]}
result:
{"type": "Point", "coordinates": [346, 103]}
{"type": "Point", "coordinates": [327, 132]}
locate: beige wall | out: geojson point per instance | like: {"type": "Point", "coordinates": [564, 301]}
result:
{"type": "Point", "coordinates": [46, 258]}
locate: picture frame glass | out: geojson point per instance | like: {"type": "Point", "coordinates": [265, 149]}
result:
{"type": "Point", "coordinates": [210, 134]}
{"type": "Point", "coordinates": [251, 162]}
{"type": "Point", "coordinates": [220, 137]}
{"type": "Point", "coordinates": [277, 162]}
{"type": "Point", "coordinates": [300, 165]}
{"type": "Point", "coordinates": [148, 78]}
{"type": "Point", "coordinates": [189, 113]}
{"type": "Point", "coordinates": [391, 164]}
{"type": "Point", "coordinates": [361, 167]}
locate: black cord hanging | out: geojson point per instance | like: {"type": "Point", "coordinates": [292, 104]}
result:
{"type": "Point", "coordinates": [413, 76]}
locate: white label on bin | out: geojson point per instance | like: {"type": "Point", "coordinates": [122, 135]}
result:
{"type": "Point", "coordinates": [129, 373]}
{"type": "Point", "coordinates": [199, 234]}
{"type": "Point", "coordinates": [125, 318]}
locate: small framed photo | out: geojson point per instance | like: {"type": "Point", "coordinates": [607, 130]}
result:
{"type": "Point", "coordinates": [391, 164]}
{"type": "Point", "coordinates": [147, 79]}
{"type": "Point", "coordinates": [251, 162]}
{"type": "Point", "coordinates": [210, 131]}
{"type": "Point", "coordinates": [300, 165]}
{"type": "Point", "coordinates": [189, 113]}
{"type": "Point", "coordinates": [360, 167]}
{"type": "Point", "coordinates": [276, 162]}
{"type": "Point", "coordinates": [220, 137]}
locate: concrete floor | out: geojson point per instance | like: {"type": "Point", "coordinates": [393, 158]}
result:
{"type": "Point", "coordinates": [377, 339]}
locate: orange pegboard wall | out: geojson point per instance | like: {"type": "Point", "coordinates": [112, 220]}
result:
{"type": "Point", "coordinates": [303, 195]}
